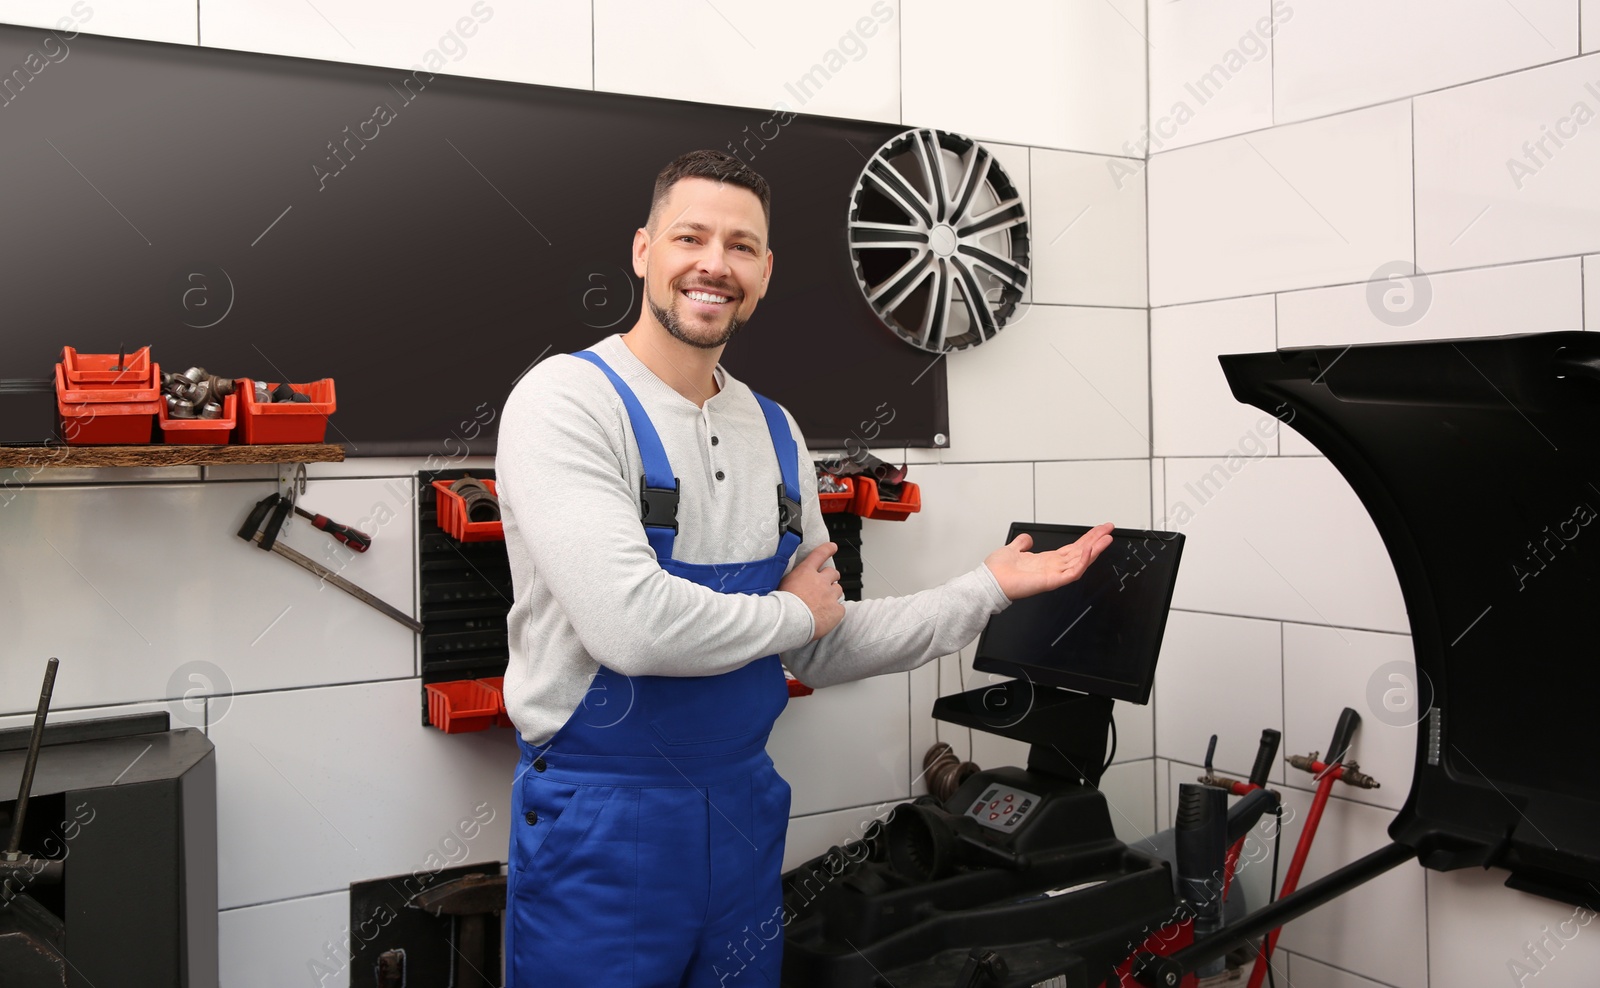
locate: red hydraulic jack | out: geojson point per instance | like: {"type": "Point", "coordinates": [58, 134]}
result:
{"type": "Point", "coordinates": [1339, 766]}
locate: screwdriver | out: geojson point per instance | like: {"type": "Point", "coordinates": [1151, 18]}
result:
{"type": "Point", "coordinates": [359, 541]}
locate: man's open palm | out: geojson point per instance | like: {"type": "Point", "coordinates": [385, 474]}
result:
{"type": "Point", "coordinates": [1021, 573]}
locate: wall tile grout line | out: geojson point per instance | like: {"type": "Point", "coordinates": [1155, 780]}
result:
{"type": "Point", "coordinates": [1579, 255]}
{"type": "Point", "coordinates": [1368, 106]}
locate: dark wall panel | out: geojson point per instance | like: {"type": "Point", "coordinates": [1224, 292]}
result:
{"type": "Point", "coordinates": [188, 198]}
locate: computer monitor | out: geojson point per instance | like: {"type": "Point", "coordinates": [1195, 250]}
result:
{"type": "Point", "coordinates": [1100, 634]}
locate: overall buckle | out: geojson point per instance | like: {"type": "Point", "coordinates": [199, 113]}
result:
{"type": "Point", "coordinates": [658, 506]}
{"type": "Point", "coordinates": [789, 514]}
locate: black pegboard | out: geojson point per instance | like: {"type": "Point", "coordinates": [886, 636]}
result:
{"type": "Point", "coordinates": [465, 595]}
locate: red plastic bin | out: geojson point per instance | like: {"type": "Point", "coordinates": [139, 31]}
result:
{"type": "Point", "coordinates": [501, 719]}
{"type": "Point", "coordinates": [461, 705]}
{"type": "Point", "coordinates": [199, 432]}
{"type": "Point", "coordinates": [130, 388]}
{"type": "Point", "coordinates": [91, 370]}
{"type": "Point", "coordinates": [869, 505]}
{"type": "Point", "coordinates": [114, 423]}
{"type": "Point", "coordinates": [285, 422]}
{"type": "Point", "coordinates": [837, 501]}
{"type": "Point", "coordinates": [452, 512]}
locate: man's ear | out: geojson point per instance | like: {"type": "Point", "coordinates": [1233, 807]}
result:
{"type": "Point", "coordinates": [766, 279]}
{"type": "Point", "coordinates": [641, 248]}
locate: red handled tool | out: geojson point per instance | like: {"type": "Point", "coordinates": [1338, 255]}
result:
{"type": "Point", "coordinates": [1338, 766]}
{"type": "Point", "coordinates": [359, 541]}
{"type": "Point", "coordinates": [1266, 755]}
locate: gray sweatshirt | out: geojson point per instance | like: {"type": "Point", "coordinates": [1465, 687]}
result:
{"type": "Point", "coordinates": [588, 590]}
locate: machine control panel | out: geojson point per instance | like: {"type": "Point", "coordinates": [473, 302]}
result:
{"type": "Point", "coordinates": [1003, 808]}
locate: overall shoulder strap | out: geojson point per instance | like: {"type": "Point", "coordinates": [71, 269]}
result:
{"type": "Point", "coordinates": [790, 523]}
{"type": "Point", "coordinates": [658, 494]}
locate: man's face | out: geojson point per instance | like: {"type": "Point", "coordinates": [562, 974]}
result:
{"type": "Point", "coordinates": [707, 264]}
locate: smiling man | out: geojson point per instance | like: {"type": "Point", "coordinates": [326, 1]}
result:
{"type": "Point", "coordinates": [668, 559]}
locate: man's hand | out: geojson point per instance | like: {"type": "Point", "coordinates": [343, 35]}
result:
{"type": "Point", "coordinates": [1021, 573]}
{"type": "Point", "coordinates": [818, 586]}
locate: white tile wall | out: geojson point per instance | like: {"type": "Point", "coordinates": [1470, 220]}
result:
{"type": "Point", "coordinates": [1481, 198]}
{"type": "Point", "coordinates": [1340, 54]}
{"type": "Point", "coordinates": [1317, 203]}
{"type": "Point", "coordinates": [1088, 230]}
{"type": "Point", "coordinates": [1328, 669]}
{"type": "Point", "coordinates": [1517, 298]}
{"type": "Point", "coordinates": [865, 725]}
{"type": "Point", "coordinates": [924, 689]}
{"type": "Point", "coordinates": [1158, 493]}
{"type": "Point", "coordinates": [1053, 53]}
{"type": "Point", "coordinates": [814, 833]}
{"type": "Point", "coordinates": [548, 44]}
{"type": "Point", "coordinates": [1591, 292]}
{"type": "Point", "coordinates": [149, 20]}
{"type": "Point", "coordinates": [1211, 71]}
{"type": "Point", "coordinates": [1589, 16]}
{"type": "Point", "coordinates": [1291, 443]}
{"type": "Point", "coordinates": [299, 941]}
{"type": "Point", "coordinates": [157, 580]}
{"type": "Point", "coordinates": [1307, 973]}
{"type": "Point", "coordinates": [1378, 930]}
{"type": "Point", "coordinates": [841, 59]}
{"type": "Point", "coordinates": [967, 509]}
{"type": "Point", "coordinates": [1279, 537]}
{"type": "Point", "coordinates": [1195, 412]}
{"type": "Point", "coordinates": [1479, 931]}
{"type": "Point", "coordinates": [190, 713]}
{"type": "Point", "coordinates": [1063, 383]}
{"type": "Point", "coordinates": [318, 788]}
{"type": "Point", "coordinates": [1129, 789]}
{"type": "Point", "coordinates": [966, 512]}
{"type": "Point", "coordinates": [1163, 793]}
{"type": "Point", "coordinates": [1088, 492]}
{"type": "Point", "coordinates": [1223, 676]}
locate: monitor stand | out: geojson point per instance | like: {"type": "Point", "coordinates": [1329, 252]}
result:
{"type": "Point", "coordinates": [1065, 730]}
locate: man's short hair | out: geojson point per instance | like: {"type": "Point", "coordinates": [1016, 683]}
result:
{"type": "Point", "coordinates": [717, 166]}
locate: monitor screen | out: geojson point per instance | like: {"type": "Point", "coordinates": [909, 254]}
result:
{"type": "Point", "coordinates": [1100, 634]}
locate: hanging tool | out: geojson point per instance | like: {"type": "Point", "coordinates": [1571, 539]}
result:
{"type": "Point", "coordinates": [1266, 754]}
{"type": "Point", "coordinates": [272, 510]}
{"type": "Point", "coordinates": [1338, 766]}
{"type": "Point", "coordinates": [16, 865]}
{"type": "Point", "coordinates": [359, 541]}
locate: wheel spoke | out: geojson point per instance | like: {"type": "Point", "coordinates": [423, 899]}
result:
{"type": "Point", "coordinates": [932, 163]}
{"type": "Point", "coordinates": [886, 235]}
{"type": "Point", "coordinates": [1003, 216]}
{"type": "Point", "coordinates": [977, 305]}
{"type": "Point", "coordinates": [893, 185]}
{"type": "Point", "coordinates": [892, 292]}
{"type": "Point", "coordinates": [977, 172]}
{"type": "Point", "coordinates": [936, 320]}
{"type": "Point", "coordinates": [1012, 274]}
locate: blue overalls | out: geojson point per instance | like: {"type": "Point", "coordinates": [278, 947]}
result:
{"type": "Point", "coordinates": [647, 834]}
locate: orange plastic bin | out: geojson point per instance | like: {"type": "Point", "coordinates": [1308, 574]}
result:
{"type": "Point", "coordinates": [461, 705]}
{"type": "Point", "coordinates": [285, 421]}
{"type": "Point", "coordinates": [200, 432]}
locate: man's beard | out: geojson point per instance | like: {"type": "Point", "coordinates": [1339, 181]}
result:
{"type": "Point", "coordinates": [669, 319]}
